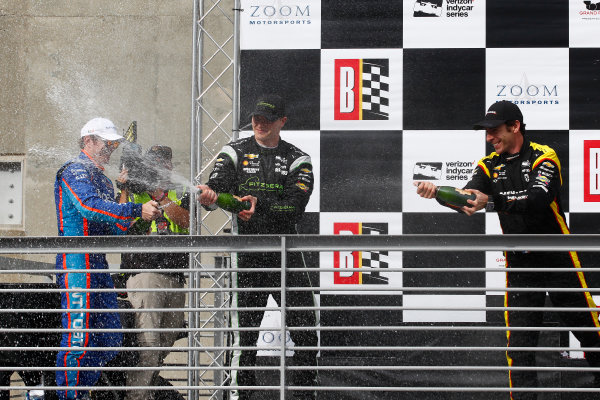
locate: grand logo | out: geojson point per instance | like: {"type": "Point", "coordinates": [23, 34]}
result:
{"type": "Point", "coordinates": [591, 171]}
{"type": "Point", "coordinates": [292, 14]}
{"type": "Point", "coordinates": [591, 11]}
{"type": "Point", "coordinates": [362, 89]}
{"type": "Point", "coordinates": [360, 267]}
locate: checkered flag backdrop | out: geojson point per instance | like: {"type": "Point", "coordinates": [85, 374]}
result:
{"type": "Point", "coordinates": [382, 93]}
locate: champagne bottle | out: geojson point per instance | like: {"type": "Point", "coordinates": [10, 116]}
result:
{"type": "Point", "coordinates": [453, 197]}
{"type": "Point", "coordinates": [229, 202]}
{"type": "Point", "coordinates": [140, 227]}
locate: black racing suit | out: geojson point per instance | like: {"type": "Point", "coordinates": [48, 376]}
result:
{"type": "Point", "coordinates": [525, 190]}
{"type": "Point", "coordinates": [282, 180]}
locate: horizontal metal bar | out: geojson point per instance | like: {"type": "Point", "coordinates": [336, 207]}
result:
{"type": "Point", "coordinates": [288, 308]}
{"type": "Point", "coordinates": [356, 289]}
{"type": "Point", "coordinates": [295, 243]}
{"type": "Point", "coordinates": [320, 368]}
{"type": "Point", "coordinates": [52, 270]}
{"type": "Point", "coordinates": [324, 388]}
{"type": "Point", "coordinates": [481, 328]}
{"type": "Point", "coordinates": [315, 348]}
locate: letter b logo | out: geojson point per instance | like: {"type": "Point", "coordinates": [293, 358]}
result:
{"type": "Point", "coordinates": [591, 171]}
{"type": "Point", "coordinates": [347, 89]}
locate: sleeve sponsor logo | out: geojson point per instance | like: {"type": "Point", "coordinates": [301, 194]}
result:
{"type": "Point", "coordinates": [548, 164]}
{"type": "Point", "coordinates": [543, 179]}
{"type": "Point", "coordinates": [302, 186]}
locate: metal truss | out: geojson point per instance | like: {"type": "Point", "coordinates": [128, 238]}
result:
{"type": "Point", "coordinates": [214, 123]}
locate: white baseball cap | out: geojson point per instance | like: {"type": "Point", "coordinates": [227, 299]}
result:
{"type": "Point", "coordinates": [101, 127]}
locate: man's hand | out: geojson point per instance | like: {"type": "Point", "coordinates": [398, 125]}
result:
{"type": "Point", "coordinates": [150, 210]}
{"type": "Point", "coordinates": [477, 204]}
{"type": "Point", "coordinates": [207, 196]}
{"type": "Point", "coordinates": [123, 176]}
{"type": "Point", "coordinates": [425, 189]}
{"type": "Point", "coordinates": [245, 215]}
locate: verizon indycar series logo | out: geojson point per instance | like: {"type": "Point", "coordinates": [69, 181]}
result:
{"type": "Point", "coordinates": [360, 267]}
{"type": "Point", "coordinates": [447, 170]}
{"type": "Point", "coordinates": [362, 89]}
{"type": "Point", "coordinates": [434, 8]}
{"type": "Point", "coordinates": [427, 171]}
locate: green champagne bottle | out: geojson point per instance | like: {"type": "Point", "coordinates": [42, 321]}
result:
{"type": "Point", "coordinates": [229, 202]}
{"type": "Point", "coordinates": [141, 227]}
{"type": "Point", "coordinates": [453, 197]}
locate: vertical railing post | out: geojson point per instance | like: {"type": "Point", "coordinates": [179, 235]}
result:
{"type": "Point", "coordinates": [219, 322]}
{"type": "Point", "coordinates": [283, 318]}
{"type": "Point", "coordinates": [195, 161]}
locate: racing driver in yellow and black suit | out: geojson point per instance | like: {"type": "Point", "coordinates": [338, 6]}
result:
{"type": "Point", "coordinates": [525, 192]}
{"type": "Point", "coordinates": [521, 181]}
{"type": "Point", "coordinates": [277, 178]}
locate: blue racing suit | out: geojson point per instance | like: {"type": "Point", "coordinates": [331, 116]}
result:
{"type": "Point", "coordinates": [85, 206]}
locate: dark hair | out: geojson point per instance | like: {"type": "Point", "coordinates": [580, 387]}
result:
{"type": "Point", "coordinates": [512, 123]}
{"type": "Point", "coordinates": [159, 152]}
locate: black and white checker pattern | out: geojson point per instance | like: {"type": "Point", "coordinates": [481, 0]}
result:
{"type": "Point", "coordinates": [375, 90]}
{"type": "Point", "coordinates": [443, 72]}
{"type": "Point", "coordinates": [374, 259]}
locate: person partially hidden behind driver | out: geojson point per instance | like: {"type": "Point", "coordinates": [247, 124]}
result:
{"type": "Point", "coordinates": [173, 221]}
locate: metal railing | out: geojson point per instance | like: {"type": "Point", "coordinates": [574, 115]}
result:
{"type": "Point", "coordinates": [214, 122]}
{"type": "Point", "coordinates": [345, 361]}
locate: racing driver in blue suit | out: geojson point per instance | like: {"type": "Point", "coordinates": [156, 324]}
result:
{"type": "Point", "coordinates": [85, 206]}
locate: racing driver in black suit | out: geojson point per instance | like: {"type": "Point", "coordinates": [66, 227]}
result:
{"type": "Point", "coordinates": [277, 178]}
{"type": "Point", "coordinates": [521, 181]}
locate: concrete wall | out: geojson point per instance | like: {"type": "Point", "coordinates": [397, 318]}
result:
{"type": "Point", "coordinates": [63, 62]}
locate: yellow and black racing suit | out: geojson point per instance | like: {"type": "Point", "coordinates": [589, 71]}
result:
{"type": "Point", "coordinates": [525, 190]}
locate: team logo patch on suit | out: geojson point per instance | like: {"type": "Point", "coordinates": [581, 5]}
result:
{"type": "Point", "coordinates": [302, 186]}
